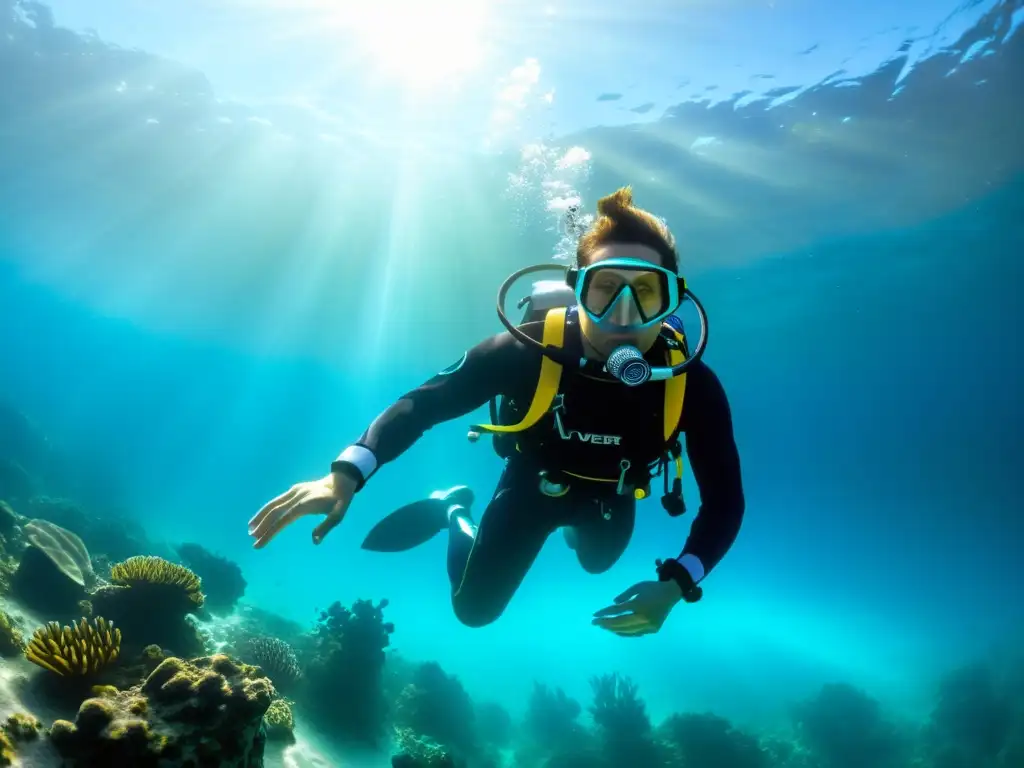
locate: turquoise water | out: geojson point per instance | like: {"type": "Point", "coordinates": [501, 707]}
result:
{"type": "Point", "coordinates": [216, 270]}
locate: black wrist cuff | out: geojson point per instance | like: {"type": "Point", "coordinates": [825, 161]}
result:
{"type": "Point", "coordinates": [673, 570]}
{"type": "Point", "coordinates": [349, 470]}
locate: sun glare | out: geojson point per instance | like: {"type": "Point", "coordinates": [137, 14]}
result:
{"type": "Point", "coordinates": [420, 42]}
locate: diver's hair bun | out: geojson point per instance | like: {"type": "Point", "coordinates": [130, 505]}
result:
{"type": "Point", "coordinates": [619, 221]}
{"type": "Point", "coordinates": [615, 205]}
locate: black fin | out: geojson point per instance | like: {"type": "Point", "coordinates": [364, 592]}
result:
{"type": "Point", "coordinates": [408, 527]}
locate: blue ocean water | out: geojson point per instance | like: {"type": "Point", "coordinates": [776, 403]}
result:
{"type": "Point", "coordinates": [207, 296]}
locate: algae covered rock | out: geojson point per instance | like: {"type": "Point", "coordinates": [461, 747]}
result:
{"type": "Point", "coordinates": [204, 712]}
{"type": "Point", "coordinates": [18, 728]}
{"type": "Point", "coordinates": [279, 722]}
{"type": "Point", "coordinates": [11, 641]}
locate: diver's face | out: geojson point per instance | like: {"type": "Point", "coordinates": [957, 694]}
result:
{"type": "Point", "coordinates": [602, 339]}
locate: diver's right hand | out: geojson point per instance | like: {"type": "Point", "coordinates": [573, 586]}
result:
{"type": "Point", "coordinates": [330, 495]}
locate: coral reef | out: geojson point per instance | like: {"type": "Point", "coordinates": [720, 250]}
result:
{"type": "Point", "coordinates": [973, 719]}
{"type": "Point", "coordinates": [621, 721]}
{"type": "Point", "coordinates": [344, 694]}
{"type": "Point", "coordinates": [207, 712]}
{"type": "Point", "coordinates": [81, 649]}
{"type": "Point", "coordinates": [222, 579]}
{"type": "Point", "coordinates": [54, 570]}
{"type": "Point", "coordinates": [710, 741]}
{"type": "Point", "coordinates": [436, 706]}
{"type": "Point", "coordinates": [494, 724]}
{"type": "Point", "coordinates": [149, 600]}
{"type": "Point", "coordinates": [844, 728]}
{"type": "Point", "coordinates": [418, 752]}
{"type": "Point", "coordinates": [279, 722]}
{"type": "Point", "coordinates": [11, 641]}
{"type": "Point", "coordinates": [551, 728]}
{"type": "Point", "coordinates": [277, 660]}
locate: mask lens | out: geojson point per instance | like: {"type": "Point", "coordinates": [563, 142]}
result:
{"type": "Point", "coordinates": [627, 295]}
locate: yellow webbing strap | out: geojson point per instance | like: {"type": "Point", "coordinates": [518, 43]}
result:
{"type": "Point", "coordinates": [675, 389]}
{"type": "Point", "coordinates": [547, 384]}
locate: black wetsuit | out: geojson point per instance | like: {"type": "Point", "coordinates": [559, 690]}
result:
{"type": "Point", "coordinates": [600, 423]}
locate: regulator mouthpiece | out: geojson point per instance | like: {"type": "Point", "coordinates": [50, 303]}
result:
{"type": "Point", "coordinates": [628, 366]}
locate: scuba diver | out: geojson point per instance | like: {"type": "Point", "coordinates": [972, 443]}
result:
{"type": "Point", "coordinates": [591, 387]}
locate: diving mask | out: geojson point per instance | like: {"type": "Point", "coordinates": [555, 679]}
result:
{"type": "Point", "coordinates": [644, 295]}
{"type": "Point", "coordinates": [624, 294]}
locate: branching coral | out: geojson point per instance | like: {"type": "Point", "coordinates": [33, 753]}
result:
{"type": "Point", "coordinates": [148, 571]}
{"type": "Point", "coordinates": [551, 725]}
{"type": "Point", "coordinates": [344, 690]}
{"type": "Point", "coordinates": [81, 649]}
{"type": "Point", "coordinates": [622, 722]}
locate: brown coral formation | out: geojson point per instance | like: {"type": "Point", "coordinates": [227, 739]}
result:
{"type": "Point", "coordinates": [204, 712]}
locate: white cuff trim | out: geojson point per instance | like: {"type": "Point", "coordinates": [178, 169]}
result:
{"type": "Point", "coordinates": [693, 565]}
{"type": "Point", "coordinates": [361, 458]}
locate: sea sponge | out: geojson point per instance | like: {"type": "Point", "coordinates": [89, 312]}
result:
{"type": "Point", "coordinates": [11, 641]}
{"type": "Point", "coordinates": [151, 571]}
{"type": "Point", "coordinates": [279, 722]}
{"type": "Point", "coordinates": [81, 649]}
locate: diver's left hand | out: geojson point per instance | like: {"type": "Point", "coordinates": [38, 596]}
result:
{"type": "Point", "coordinates": [640, 610]}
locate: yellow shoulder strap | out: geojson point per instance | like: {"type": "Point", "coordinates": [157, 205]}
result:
{"type": "Point", "coordinates": [547, 383]}
{"type": "Point", "coordinates": [675, 389]}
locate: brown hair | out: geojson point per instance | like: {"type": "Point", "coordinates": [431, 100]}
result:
{"type": "Point", "coordinates": [619, 221]}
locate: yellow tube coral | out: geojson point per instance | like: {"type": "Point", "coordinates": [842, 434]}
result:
{"type": "Point", "coordinates": [81, 649]}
